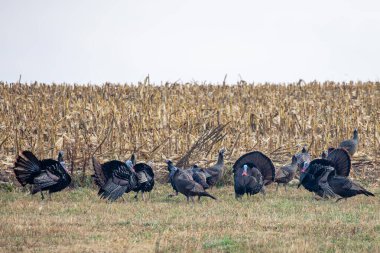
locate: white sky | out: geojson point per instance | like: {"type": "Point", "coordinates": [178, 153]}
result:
{"type": "Point", "coordinates": [123, 41]}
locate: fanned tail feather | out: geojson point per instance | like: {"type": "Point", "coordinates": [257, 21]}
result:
{"type": "Point", "coordinates": [341, 160]}
{"type": "Point", "coordinates": [26, 167]}
{"type": "Point", "coordinates": [98, 177]}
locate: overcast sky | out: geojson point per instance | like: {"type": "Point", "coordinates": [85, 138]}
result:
{"type": "Point", "coordinates": [123, 41]}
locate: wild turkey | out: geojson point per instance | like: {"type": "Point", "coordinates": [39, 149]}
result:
{"type": "Point", "coordinates": [172, 169]}
{"type": "Point", "coordinates": [303, 157]}
{"type": "Point", "coordinates": [316, 176]}
{"type": "Point", "coordinates": [147, 181]}
{"type": "Point", "coordinates": [145, 178]}
{"type": "Point", "coordinates": [43, 175]}
{"type": "Point", "coordinates": [327, 185]}
{"type": "Point", "coordinates": [351, 145]}
{"type": "Point", "coordinates": [107, 168]}
{"type": "Point", "coordinates": [114, 178]}
{"type": "Point", "coordinates": [286, 173]}
{"type": "Point", "coordinates": [199, 175]}
{"type": "Point", "coordinates": [346, 188]}
{"type": "Point", "coordinates": [338, 159]}
{"type": "Point", "coordinates": [252, 172]}
{"type": "Point", "coordinates": [182, 182]}
{"type": "Point", "coordinates": [216, 171]}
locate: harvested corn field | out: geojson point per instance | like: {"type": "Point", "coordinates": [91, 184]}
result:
{"type": "Point", "coordinates": [159, 122]}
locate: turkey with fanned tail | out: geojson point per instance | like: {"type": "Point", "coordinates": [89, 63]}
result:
{"type": "Point", "coordinates": [114, 178]}
{"type": "Point", "coordinates": [338, 161]}
{"type": "Point", "coordinates": [252, 172]}
{"type": "Point", "coordinates": [145, 179]}
{"type": "Point", "coordinates": [328, 178]}
{"type": "Point", "coordinates": [43, 175]}
{"type": "Point", "coordinates": [143, 172]}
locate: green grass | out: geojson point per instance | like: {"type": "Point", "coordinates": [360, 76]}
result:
{"type": "Point", "coordinates": [78, 221]}
{"type": "Point", "coordinates": [225, 244]}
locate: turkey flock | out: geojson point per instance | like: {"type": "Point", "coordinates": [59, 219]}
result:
{"type": "Point", "coordinates": [327, 177]}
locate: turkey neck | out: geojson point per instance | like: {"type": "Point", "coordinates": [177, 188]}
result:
{"type": "Point", "coordinates": [356, 137]}
{"type": "Point", "coordinates": [294, 166]}
{"type": "Point", "coordinates": [172, 174]}
{"type": "Point", "coordinates": [303, 175]}
{"type": "Point", "coordinates": [172, 170]}
{"type": "Point", "coordinates": [220, 160]}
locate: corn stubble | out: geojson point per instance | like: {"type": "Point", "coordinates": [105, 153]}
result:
{"type": "Point", "coordinates": [159, 122]}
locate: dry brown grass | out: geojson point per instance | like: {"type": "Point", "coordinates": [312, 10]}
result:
{"type": "Point", "coordinates": [77, 221]}
{"type": "Point", "coordinates": [161, 122]}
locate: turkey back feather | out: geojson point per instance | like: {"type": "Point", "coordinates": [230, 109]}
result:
{"type": "Point", "coordinates": [57, 174]}
{"type": "Point", "coordinates": [110, 166]}
{"type": "Point", "coordinates": [122, 180]}
{"type": "Point", "coordinates": [202, 181]}
{"type": "Point", "coordinates": [317, 167]}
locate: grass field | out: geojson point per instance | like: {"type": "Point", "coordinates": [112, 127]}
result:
{"type": "Point", "coordinates": [77, 221]}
